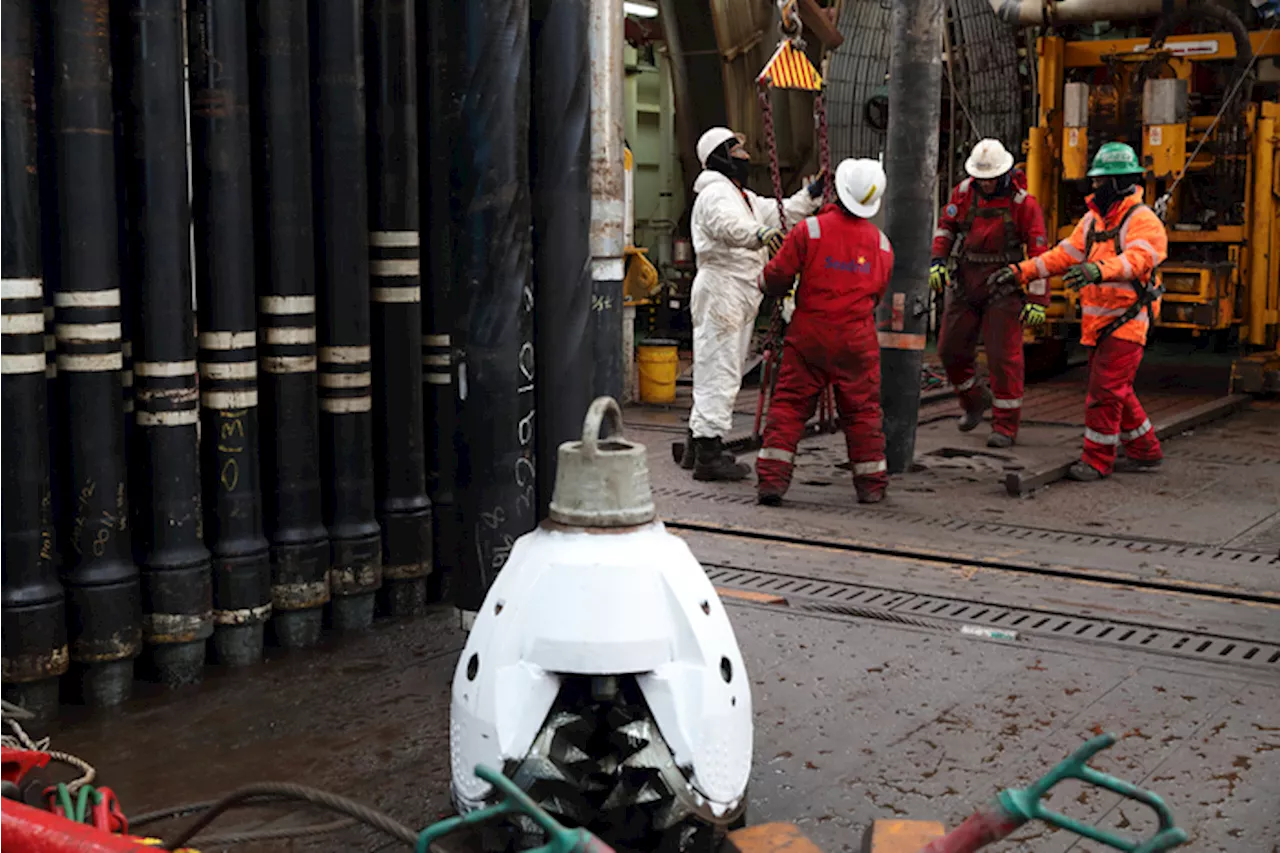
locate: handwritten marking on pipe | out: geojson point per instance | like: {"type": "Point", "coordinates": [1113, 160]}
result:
{"type": "Point", "coordinates": [182, 417]}
{"type": "Point", "coordinates": [109, 298]}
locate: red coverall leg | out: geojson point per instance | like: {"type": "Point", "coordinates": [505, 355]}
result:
{"type": "Point", "coordinates": [967, 311]}
{"type": "Point", "coordinates": [1113, 414]}
{"type": "Point", "coordinates": [854, 373]}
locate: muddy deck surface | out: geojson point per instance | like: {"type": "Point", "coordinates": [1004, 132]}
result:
{"type": "Point", "coordinates": [1146, 605]}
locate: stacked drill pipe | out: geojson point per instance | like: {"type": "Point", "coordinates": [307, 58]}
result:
{"type": "Point", "coordinates": [100, 579]}
{"type": "Point", "coordinates": [493, 297]}
{"type": "Point", "coordinates": [561, 178]}
{"type": "Point", "coordinates": [342, 260]}
{"type": "Point", "coordinates": [287, 323]}
{"type": "Point", "coordinates": [176, 580]}
{"type": "Point", "coordinates": [404, 511]}
{"type": "Point", "coordinates": [911, 167]}
{"type": "Point", "coordinates": [34, 619]}
{"type": "Point", "coordinates": [437, 123]}
{"type": "Point", "coordinates": [222, 207]}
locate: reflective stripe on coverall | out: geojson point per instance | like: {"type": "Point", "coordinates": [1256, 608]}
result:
{"type": "Point", "coordinates": [844, 264]}
{"type": "Point", "coordinates": [1113, 415]}
{"type": "Point", "coordinates": [725, 297]}
{"type": "Point", "coordinates": [995, 229]}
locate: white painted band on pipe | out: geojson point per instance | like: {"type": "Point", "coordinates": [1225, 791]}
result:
{"type": "Point", "coordinates": [242, 616]}
{"type": "Point", "coordinates": [245, 399]}
{"type": "Point", "coordinates": [346, 380]}
{"type": "Point", "coordinates": [164, 368]}
{"type": "Point", "coordinates": [289, 335]}
{"type": "Point", "coordinates": [435, 340]}
{"type": "Point", "coordinates": [439, 379]}
{"type": "Point", "coordinates": [97, 332]}
{"type": "Point", "coordinates": [394, 267]}
{"type": "Point", "coordinates": [11, 364]}
{"type": "Point", "coordinates": [436, 360]}
{"type": "Point", "coordinates": [224, 341]}
{"type": "Point", "coordinates": [87, 298]}
{"type": "Point", "coordinates": [412, 293]}
{"type": "Point", "coordinates": [287, 304]}
{"type": "Point", "coordinates": [289, 364]}
{"type": "Point", "coordinates": [394, 239]}
{"type": "Point", "coordinates": [346, 355]}
{"type": "Point", "coordinates": [229, 370]}
{"type": "Point", "coordinates": [172, 395]}
{"type": "Point", "coordinates": [607, 269]}
{"type": "Point", "coordinates": [22, 324]}
{"type": "Point", "coordinates": [185, 417]}
{"type": "Point", "coordinates": [346, 405]}
{"type": "Point", "coordinates": [21, 288]}
{"type": "Point", "coordinates": [91, 363]}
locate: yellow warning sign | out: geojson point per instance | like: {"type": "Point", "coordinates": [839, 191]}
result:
{"type": "Point", "coordinates": [790, 69]}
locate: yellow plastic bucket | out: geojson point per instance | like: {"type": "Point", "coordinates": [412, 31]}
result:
{"type": "Point", "coordinates": [659, 364]}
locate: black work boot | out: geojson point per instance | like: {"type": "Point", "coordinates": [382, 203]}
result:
{"type": "Point", "coordinates": [713, 463]}
{"type": "Point", "coordinates": [1084, 472]}
{"type": "Point", "coordinates": [1127, 465]}
{"type": "Point", "coordinates": [686, 461]}
{"type": "Point", "coordinates": [970, 420]}
{"type": "Point", "coordinates": [999, 439]}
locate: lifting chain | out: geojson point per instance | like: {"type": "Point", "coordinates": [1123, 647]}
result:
{"type": "Point", "coordinates": [824, 149]}
{"type": "Point", "coordinates": [773, 339]}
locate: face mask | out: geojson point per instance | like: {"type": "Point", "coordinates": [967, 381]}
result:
{"type": "Point", "coordinates": [730, 167]}
{"type": "Point", "coordinates": [1107, 195]}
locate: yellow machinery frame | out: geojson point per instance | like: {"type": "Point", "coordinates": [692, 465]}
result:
{"type": "Point", "coordinates": [1200, 297]}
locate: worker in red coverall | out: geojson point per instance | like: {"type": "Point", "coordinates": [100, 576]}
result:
{"type": "Point", "coordinates": [844, 263]}
{"type": "Point", "coordinates": [997, 217]}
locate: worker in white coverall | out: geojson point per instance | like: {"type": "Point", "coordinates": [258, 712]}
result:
{"type": "Point", "coordinates": [735, 232]}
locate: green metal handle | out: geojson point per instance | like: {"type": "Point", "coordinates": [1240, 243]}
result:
{"type": "Point", "coordinates": [515, 801]}
{"type": "Point", "coordinates": [1024, 803]}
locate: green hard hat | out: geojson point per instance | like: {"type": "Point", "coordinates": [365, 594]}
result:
{"type": "Point", "coordinates": [1115, 158]}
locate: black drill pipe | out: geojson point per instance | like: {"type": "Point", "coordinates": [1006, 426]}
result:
{"type": "Point", "coordinates": [404, 512]}
{"type": "Point", "coordinates": [222, 206]}
{"type": "Point", "coordinates": [342, 259]}
{"type": "Point", "coordinates": [911, 167]}
{"type": "Point", "coordinates": [493, 298]}
{"type": "Point", "coordinates": [560, 168]}
{"type": "Point", "coordinates": [101, 581]}
{"type": "Point", "coordinates": [177, 595]}
{"type": "Point", "coordinates": [34, 617]}
{"type": "Point", "coordinates": [287, 305]}
{"type": "Point", "coordinates": [437, 123]}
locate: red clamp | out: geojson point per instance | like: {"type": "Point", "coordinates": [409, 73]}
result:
{"type": "Point", "coordinates": [17, 763]}
{"type": "Point", "coordinates": [106, 813]}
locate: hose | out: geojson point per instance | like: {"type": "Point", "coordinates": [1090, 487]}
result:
{"type": "Point", "coordinates": [284, 790]}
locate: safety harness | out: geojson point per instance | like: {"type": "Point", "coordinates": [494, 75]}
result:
{"type": "Point", "coordinates": [1147, 295]}
{"type": "Point", "coordinates": [1012, 253]}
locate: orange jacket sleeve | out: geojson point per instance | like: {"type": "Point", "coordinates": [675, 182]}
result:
{"type": "Point", "coordinates": [1146, 244]}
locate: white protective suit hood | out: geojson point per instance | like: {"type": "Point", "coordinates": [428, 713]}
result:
{"type": "Point", "coordinates": [725, 297]}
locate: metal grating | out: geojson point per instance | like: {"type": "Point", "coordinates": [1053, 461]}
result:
{"type": "Point", "coordinates": [936, 611]}
{"type": "Point", "coordinates": [1137, 544]}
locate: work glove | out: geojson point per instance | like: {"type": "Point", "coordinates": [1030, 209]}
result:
{"type": "Point", "coordinates": [1032, 314]}
{"type": "Point", "coordinates": [939, 276]}
{"type": "Point", "coordinates": [1081, 275]}
{"type": "Point", "coordinates": [1003, 277]}
{"type": "Point", "coordinates": [771, 239]}
{"type": "Point", "coordinates": [818, 184]}
{"type": "Point", "coordinates": [789, 305]}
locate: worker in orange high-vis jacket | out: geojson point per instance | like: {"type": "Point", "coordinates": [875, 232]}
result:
{"type": "Point", "coordinates": [1111, 257]}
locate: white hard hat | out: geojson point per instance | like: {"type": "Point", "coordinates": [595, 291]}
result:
{"type": "Point", "coordinates": [713, 139]}
{"type": "Point", "coordinates": [860, 185]}
{"type": "Point", "coordinates": [988, 160]}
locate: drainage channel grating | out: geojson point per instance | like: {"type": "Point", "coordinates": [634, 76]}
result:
{"type": "Point", "coordinates": [933, 611]}
{"type": "Point", "coordinates": [1199, 551]}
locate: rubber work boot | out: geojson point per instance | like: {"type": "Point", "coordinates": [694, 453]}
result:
{"type": "Point", "coordinates": [712, 463]}
{"type": "Point", "coordinates": [1125, 465]}
{"type": "Point", "coordinates": [769, 499]}
{"type": "Point", "coordinates": [970, 420]}
{"type": "Point", "coordinates": [999, 439]}
{"type": "Point", "coordinates": [686, 461]}
{"type": "Point", "coordinates": [1084, 473]}
{"type": "Point", "coordinates": [870, 496]}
